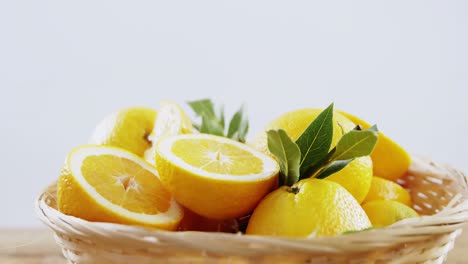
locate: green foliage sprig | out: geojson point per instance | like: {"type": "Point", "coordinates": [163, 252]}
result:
{"type": "Point", "coordinates": [213, 122]}
{"type": "Point", "coordinates": [310, 155]}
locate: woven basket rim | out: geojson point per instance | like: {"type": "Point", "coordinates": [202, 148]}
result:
{"type": "Point", "coordinates": [449, 220]}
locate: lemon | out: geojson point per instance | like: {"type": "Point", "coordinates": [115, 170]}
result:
{"type": "Point", "coordinates": [107, 184]}
{"type": "Point", "coordinates": [215, 177]}
{"type": "Point", "coordinates": [295, 122]}
{"type": "Point", "coordinates": [383, 213]}
{"type": "Point", "coordinates": [355, 177]}
{"type": "Point", "coordinates": [128, 128]}
{"type": "Point", "coordinates": [390, 161]}
{"type": "Point", "coordinates": [171, 121]}
{"type": "Point", "coordinates": [382, 189]}
{"type": "Point", "coordinates": [310, 208]}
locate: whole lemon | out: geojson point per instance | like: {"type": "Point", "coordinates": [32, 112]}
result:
{"type": "Point", "coordinates": [390, 160]}
{"type": "Point", "coordinates": [382, 189]}
{"type": "Point", "coordinates": [385, 212]}
{"type": "Point", "coordinates": [128, 129]}
{"type": "Point", "coordinates": [355, 177]}
{"type": "Point", "coordinates": [310, 208]}
{"type": "Point", "coordinates": [295, 122]}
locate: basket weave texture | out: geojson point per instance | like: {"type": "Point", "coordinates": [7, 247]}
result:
{"type": "Point", "coordinates": [439, 193]}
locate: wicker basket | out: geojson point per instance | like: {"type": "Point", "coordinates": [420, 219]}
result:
{"type": "Point", "coordinates": [439, 192]}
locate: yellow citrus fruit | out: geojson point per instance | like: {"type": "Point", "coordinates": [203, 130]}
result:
{"type": "Point", "coordinates": [171, 121]}
{"type": "Point", "coordinates": [295, 122]}
{"type": "Point", "coordinates": [382, 189]}
{"type": "Point", "coordinates": [385, 212]}
{"type": "Point", "coordinates": [355, 177]}
{"type": "Point", "coordinates": [390, 160]}
{"type": "Point", "coordinates": [310, 208]}
{"type": "Point", "coordinates": [215, 177]}
{"type": "Point", "coordinates": [128, 129]}
{"type": "Point", "coordinates": [107, 184]}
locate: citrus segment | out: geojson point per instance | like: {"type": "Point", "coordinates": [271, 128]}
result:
{"type": "Point", "coordinates": [217, 157]}
{"type": "Point", "coordinates": [214, 176]}
{"type": "Point", "coordinates": [390, 160]}
{"type": "Point", "coordinates": [113, 185]}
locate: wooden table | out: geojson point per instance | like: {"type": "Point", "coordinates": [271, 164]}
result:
{"type": "Point", "coordinates": [37, 246]}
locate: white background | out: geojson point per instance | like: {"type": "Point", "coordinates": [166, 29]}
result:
{"type": "Point", "coordinates": [64, 65]}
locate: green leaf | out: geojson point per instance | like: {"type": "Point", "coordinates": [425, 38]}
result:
{"type": "Point", "coordinates": [214, 123]}
{"type": "Point", "coordinates": [203, 107]}
{"type": "Point", "coordinates": [333, 167]}
{"type": "Point", "coordinates": [211, 126]}
{"type": "Point", "coordinates": [288, 155]}
{"type": "Point", "coordinates": [244, 128]}
{"type": "Point", "coordinates": [356, 143]}
{"type": "Point", "coordinates": [316, 139]}
{"type": "Point", "coordinates": [234, 124]}
{"type": "Point", "coordinates": [221, 117]}
{"type": "Point", "coordinates": [239, 126]}
{"type": "Point", "coordinates": [210, 122]}
{"type": "Point", "coordinates": [314, 169]}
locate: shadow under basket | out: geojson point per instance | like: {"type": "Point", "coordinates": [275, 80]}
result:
{"type": "Point", "coordinates": [439, 193]}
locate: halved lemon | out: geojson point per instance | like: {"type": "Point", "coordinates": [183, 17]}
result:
{"type": "Point", "coordinates": [171, 121]}
{"type": "Point", "coordinates": [108, 184]}
{"type": "Point", "coordinates": [213, 176]}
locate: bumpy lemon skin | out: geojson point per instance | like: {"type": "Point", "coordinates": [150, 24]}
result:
{"type": "Point", "coordinates": [128, 129]}
{"type": "Point", "coordinates": [295, 122]}
{"type": "Point", "coordinates": [383, 189]}
{"type": "Point", "coordinates": [385, 212]}
{"type": "Point", "coordinates": [221, 199]}
{"type": "Point", "coordinates": [319, 208]}
{"type": "Point", "coordinates": [390, 160]}
{"type": "Point", "coordinates": [356, 177]}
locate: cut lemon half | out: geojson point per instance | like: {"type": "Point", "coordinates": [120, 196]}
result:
{"type": "Point", "coordinates": [171, 121]}
{"type": "Point", "coordinates": [213, 176]}
{"type": "Point", "coordinates": [108, 184]}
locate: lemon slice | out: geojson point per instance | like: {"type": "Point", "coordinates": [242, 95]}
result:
{"type": "Point", "coordinates": [213, 176]}
{"type": "Point", "coordinates": [171, 121]}
{"type": "Point", "coordinates": [108, 184]}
